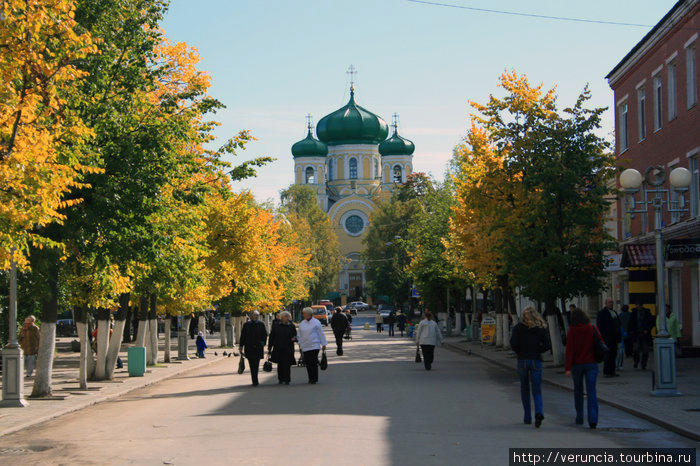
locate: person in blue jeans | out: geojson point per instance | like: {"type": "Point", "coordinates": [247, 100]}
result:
{"type": "Point", "coordinates": [581, 364]}
{"type": "Point", "coordinates": [529, 341]}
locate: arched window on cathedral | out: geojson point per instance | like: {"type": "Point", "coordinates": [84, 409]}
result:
{"type": "Point", "coordinates": [376, 168]}
{"type": "Point", "coordinates": [353, 168]}
{"type": "Point", "coordinates": [330, 170]}
{"type": "Point", "coordinates": [398, 174]}
{"type": "Point", "coordinates": [310, 177]}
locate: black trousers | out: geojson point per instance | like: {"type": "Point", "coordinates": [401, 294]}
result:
{"type": "Point", "coordinates": [284, 371]}
{"type": "Point", "coordinates": [629, 347]}
{"type": "Point", "coordinates": [641, 348]}
{"type": "Point", "coordinates": [380, 328]}
{"type": "Point", "coordinates": [339, 339]}
{"type": "Point", "coordinates": [428, 355]}
{"type": "Point", "coordinates": [610, 358]}
{"type": "Point", "coordinates": [311, 361]}
{"type": "Point", "coordinates": [391, 330]}
{"type": "Point", "coordinates": [254, 364]}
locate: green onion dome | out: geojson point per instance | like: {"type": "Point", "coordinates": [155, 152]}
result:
{"type": "Point", "coordinates": [352, 124]}
{"type": "Point", "coordinates": [309, 147]}
{"type": "Point", "coordinates": [396, 145]}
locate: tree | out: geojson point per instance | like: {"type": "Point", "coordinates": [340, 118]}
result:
{"type": "Point", "coordinates": [532, 189]}
{"type": "Point", "coordinates": [300, 208]}
{"type": "Point", "coordinates": [39, 136]}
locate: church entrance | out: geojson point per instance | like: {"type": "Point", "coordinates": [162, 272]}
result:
{"type": "Point", "coordinates": [355, 285]}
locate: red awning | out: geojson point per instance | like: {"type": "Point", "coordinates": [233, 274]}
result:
{"type": "Point", "coordinates": [639, 255]}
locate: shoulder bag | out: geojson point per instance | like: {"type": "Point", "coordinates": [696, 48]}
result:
{"type": "Point", "coordinates": [241, 364]}
{"type": "Point", "coordinates": [600, 349]}
{"type": "Point", "coordinates": [418, 358]}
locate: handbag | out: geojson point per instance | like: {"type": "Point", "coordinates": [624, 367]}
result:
{"type": "Point", "coordinates": [241, 364]}
{"type": "Point", "coordinates": [267, 366]}
{"type": "Point", "coordinates": [418, 358]}
{"type": "Point", "coordinates": [600, 349]}
{"type": "Point", "coordinates": [324, 361]}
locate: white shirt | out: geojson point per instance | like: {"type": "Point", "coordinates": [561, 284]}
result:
{"type": "Point", "coordinates": [428, 333]}
{"type": "Point", "coordinates": [310, 335]}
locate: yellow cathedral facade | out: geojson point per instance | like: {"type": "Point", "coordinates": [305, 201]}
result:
{"type": "Point", "coordinates": [352, 166]}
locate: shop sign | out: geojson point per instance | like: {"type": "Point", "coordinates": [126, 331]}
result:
{"type": "Point", "coordinates": [683, 249]}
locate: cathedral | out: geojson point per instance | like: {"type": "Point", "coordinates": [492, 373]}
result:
{"type": "Point", "coordinates": [352, 166]}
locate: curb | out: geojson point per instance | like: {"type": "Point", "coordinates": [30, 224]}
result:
{"type": "Point", "coordinates": [100, 399]}
{"type": "Point", "coordinates": [693, 435]}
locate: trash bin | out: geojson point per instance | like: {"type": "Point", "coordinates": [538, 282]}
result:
{"type": "Point", "coordinates": [136, 361]}
{"type": "Point", "coordinates": [366, 326]}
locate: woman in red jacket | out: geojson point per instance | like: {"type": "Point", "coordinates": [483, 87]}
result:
{"type": "Point", "coordinates": [581, 364]}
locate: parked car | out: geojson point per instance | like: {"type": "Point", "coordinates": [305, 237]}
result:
{"type": "Point", "coordinates": [329, 304]}
{"type": "Point", "coordinates": [358, 306]}
{"type": "Point", "coordinates": [321, 313]}
{"type": "Point", "coordinates": [65, 325]}
{"type": "Point", "coordinates": [384, 310]}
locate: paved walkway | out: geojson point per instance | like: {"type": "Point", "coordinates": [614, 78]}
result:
{"type": "Point", "coordinates": [629, 392]}
{"type": "Point", "coordinates": [67, 394]}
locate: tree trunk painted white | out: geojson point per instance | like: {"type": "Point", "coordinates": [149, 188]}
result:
{"type": "Point", "coordinates": [44, 366]}
{"type": "Point", "coordinates": [506, 331]}
{"type": "Point", "coordinates": [222, 329]}
{"type": "Point", "coordinates": [166, 342]}
{"type": "Point", "coordinates": [238, 326]}
{"type": "Point", "coordinates": [152, 353]}
{"type": "Point", "coordinates": [102, 340]}
{"type": "Point", "coordinates": [202, 325]}
{"type": "Point", "coordinates": [499, 330]}
{"type": "Point", "coordinates": [115, 344]}
{"type": "Point", "coordinates": [141, 334]}
{"type": "Point", "coordinates": [84, 354]}
{"type": "Point", "coordinates": [186, 327]}
{"type": "Point", "coordinates": [555, 336]}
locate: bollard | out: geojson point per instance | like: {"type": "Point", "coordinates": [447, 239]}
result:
{"type": "Point", "coordinates": [366, 326]}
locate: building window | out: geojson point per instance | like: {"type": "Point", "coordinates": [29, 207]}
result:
{"type": "Point", "coordinates": [694, 187]}
{"type": "Point", "coordinates": [330, 169]}
{"type": "Point", "coordinates": [642, 113]}
{"type": "Point", "coordinates": [354, 224]}
{"type": "Point", "coordinates": [310, 178]}
{"type": "Point", "coordinates": [674, 198]}
{"type": "Point", "coordinates": [624, 135]}
{"type": "Point", "coordinates": [672, 112]}
{"type": "Point", "coordinates": [398, 174]}
{"type": "Point", "coordinates": [658, 108]}
{"type": "Point", "coordinates": [353, 168]}
{"type": "Point", "coordinates": [692, 76]}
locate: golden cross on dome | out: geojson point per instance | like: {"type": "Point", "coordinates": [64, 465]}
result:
{"type": "Point", "coordinates": [352, 71]}
{"type": "Point", "coordinates": [395, 122]}
{"type": "Point", "coordinates": [308, 121]}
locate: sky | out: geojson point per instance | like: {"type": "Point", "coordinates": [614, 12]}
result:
{"type": "Point", "coordinates": [272, 62]}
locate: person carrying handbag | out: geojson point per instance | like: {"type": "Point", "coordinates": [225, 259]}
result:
{"type": "Point", "coordinates": [582, 343]}
{"type": "Point", "coordinates": [427, 338]}
{"type": "Point", "coordinates": [312, 340]}
{"type": "Point", "coordinates": [281, 347]}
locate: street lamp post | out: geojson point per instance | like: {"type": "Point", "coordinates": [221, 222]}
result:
{"type": "Point", "coordinates": [12, 358]}
{"type": "Point", "coordinates": [656, 196]}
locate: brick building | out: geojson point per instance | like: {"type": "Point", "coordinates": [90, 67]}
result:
{"type": "Point", "coordinates": [657, 123]}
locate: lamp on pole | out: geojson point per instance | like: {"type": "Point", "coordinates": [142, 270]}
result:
{"type": "Point", "coordinates": [655, 195]}
{"type": "Point", "coordinates": [12, 357]}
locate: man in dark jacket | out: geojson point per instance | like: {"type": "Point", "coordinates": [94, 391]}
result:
{"type": "Point", "coordinates": [639, 332]}
{"type": "Point", "coordinates": [339, 323]}
{"type": "Point", "coordinates": [252, 344]}
{"type": "Point", "coordinates": [608, 324]}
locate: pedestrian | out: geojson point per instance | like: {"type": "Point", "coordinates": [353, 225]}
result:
{"type": "Point", "coordinates": [193, 326]}
{"type": "Point", "coordinates": [627, 342]}
{"type": "Point", "coordinates": [379, 320]}
{"type": "Point", "coordinates": [529, 340]}
{"type": "Point", "coordinates": [567, 315]}
{"type": "Point", "coordinates": [672, 326]}
{"type": "Point", "coordinates": [428, 337]}
{"type": "Point", "coordinates": [401, 322]}
{"type": "Point", "coordinates": [581, 364]}
{"type": "Point", "coordinates": [276, 320]}
{"type": "Point", "coordinates": [281, 347]}
{"type": "Point", "coordinates": [212, 323]}
{"type": "Point", "coordinates": [252, 344]}
{"type": "Point", "coordinates": [339, 324]}
{"type": "Point", "coordinates": [201, 345]}
{"type": "Point", "coordinates": [641, 323]}
{"type": "Point", "coordinates": [392, 323]}
{"type": "Point", "coordinates": [312, 339]}
{"type": "Point", "coordinates": [608, 324]}
{"type": "Point", "coordinates": [29, 342]}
